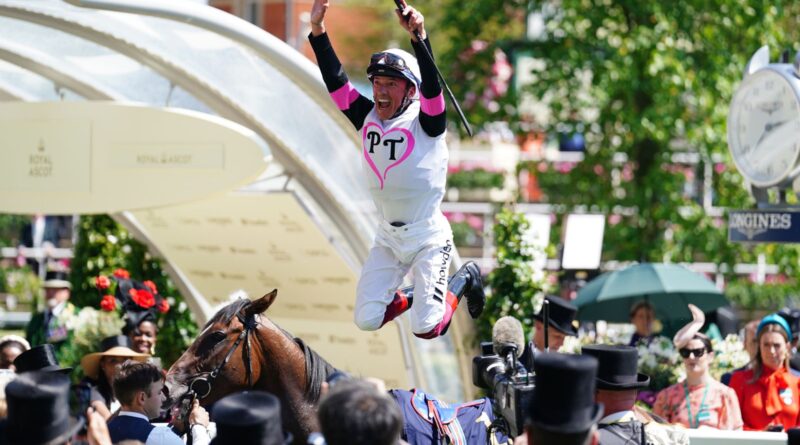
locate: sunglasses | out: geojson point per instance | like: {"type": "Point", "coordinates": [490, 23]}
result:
{"type": "Point", "coordinates": [390, 60]}
{"type": "Point", "coordinates": [699, 352]}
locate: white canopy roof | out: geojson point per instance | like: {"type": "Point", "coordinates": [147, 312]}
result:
{"type": "Point", "coordinates": [189, 56]}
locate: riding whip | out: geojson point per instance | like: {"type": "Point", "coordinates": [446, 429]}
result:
{"type": "Point", "coordinates": [546, 319]}
{"type": "Point", "coordinates": [401, 5]}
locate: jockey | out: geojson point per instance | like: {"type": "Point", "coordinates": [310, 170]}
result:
{"type": "Point", "coordinates": [404, 157]}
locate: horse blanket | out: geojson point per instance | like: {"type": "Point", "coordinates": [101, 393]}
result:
{"type": "Point", "coordinates": [428, 421]}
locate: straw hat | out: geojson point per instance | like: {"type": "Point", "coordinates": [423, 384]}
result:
{"type": "Point", "coordinates": [116, 346]}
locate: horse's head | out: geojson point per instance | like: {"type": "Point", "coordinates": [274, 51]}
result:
{"type": "Point", "coordinates": [219, 361]}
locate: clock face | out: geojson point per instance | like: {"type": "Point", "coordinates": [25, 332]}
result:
{"type": "Point", "coordinates": [764, 128]}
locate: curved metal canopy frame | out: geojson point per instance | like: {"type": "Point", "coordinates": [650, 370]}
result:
{"type": "Point", "coordinates": [201, 88]}
{"type": "Point", "coordinates": [53, 69]}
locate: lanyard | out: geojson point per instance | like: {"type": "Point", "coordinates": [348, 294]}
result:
{"type": "Point", "coordinates": [689, 405]}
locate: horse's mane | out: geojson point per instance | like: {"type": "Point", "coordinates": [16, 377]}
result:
{"type": "Point", "coordinates": [226, 313]}
{"type": "Point", "coordinates": [317, 368]}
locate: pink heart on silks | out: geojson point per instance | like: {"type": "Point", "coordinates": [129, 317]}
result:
{"type": "Point", "coordinates": [386, 150]}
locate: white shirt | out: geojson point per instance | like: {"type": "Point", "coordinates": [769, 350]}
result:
{"type": "Point", "coordinates": [618, 417]}
{"type": "Point", "coordinates": [162, 435]}
{"type": "Point", "coordinates": [405, 169]}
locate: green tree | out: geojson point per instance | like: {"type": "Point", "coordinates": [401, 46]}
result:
{"type": "Point", "coordinates": [642, 80]}
{"type": "Point", "coordinates": [103, 246]}
{"type": "Point", "coordinates": [516, 288]}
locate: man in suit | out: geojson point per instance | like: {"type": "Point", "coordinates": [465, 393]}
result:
{"type": "Point", "coordinates": [138, 388]}
{"type": "Point", "coordinates": [618, 382]}
{"type": "Point", "coordinates": [52, 324]}
{"type": "Point", "coordinates": [561, 319]}
{"type": "Point", "coordinates": [41, 233]}
{"type": "Point", "coordinates": [562, 409]}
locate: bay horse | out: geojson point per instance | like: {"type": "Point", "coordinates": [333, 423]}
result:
{"type": "Point", "coordinates": [240, 349]}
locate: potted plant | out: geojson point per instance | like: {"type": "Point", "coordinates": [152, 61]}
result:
{"type": "Point", "coordinates": [476, 184]}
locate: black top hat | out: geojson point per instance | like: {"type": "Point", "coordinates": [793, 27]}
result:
{"type": "Point", "coordinates": [38, 410]}
{"type": "Point", "coordinates": [251, 417]}
{"type": "Point", "coordinates": [617, 367]}
{"type": "Point", "coordinates": [115, 341]}
{"type": "Point", "coordinates": [39, 358]}
{"type": "Point", "coordinates": [56, 279]}
{"type": "Point", "coordinates": [562, 314]}
{"type": "Point", "coordinates": [563, 400]}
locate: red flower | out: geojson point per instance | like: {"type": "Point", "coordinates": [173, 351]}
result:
{"type": "Point", "coordinates": [102, 282]}
{"type": "Point", "coordinates": [143, 298]}
{"type": "Point", "coordinates": [108, 303]}
{"type": "Point", "coordinates": [122, 273]}
{"type": "Point", "coordinates": [151, 285]}
{"type": "Point", "coordinates": [163, 306]}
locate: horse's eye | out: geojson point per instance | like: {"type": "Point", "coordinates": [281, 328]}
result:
{"type": "Point", "coordinates": [211, 341]}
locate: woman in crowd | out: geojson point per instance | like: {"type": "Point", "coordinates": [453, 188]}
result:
{"type": "Point", "coordinates": [642, 317]}
{"type": "Point", "coordinates": [699, 400]}
{"type": "Point", "coordinates": [141, 329]}
{"type": "Point", "coordinates": [768, 392]}
{"type": "Point", "coordinates": [10, 347]}
{"type": "Point", "coordinates": [100, 368]}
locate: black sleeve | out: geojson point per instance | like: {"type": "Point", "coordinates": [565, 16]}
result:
{"type": "Point", "coordinates": [336, 81]}
{"type": "Point", "coordinates": [430, 89]}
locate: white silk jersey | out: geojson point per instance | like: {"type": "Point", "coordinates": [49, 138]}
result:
{"type": "Point", "coordinates": [405, 169]}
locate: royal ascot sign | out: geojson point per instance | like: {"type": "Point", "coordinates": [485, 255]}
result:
{"type": "Point", "coordinates": [102, 157]}
{"type": "Point", "coordinates": [762, 226]}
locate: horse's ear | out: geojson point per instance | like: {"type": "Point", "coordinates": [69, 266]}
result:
{"type": "Point", "coordinates": [262, 304]}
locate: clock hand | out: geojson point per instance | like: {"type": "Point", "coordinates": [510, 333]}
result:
{"type": "Point", "coordinates": [768, 129]}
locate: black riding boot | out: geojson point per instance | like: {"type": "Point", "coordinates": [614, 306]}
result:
{"type": "Point", "coordinates": [467, 281]}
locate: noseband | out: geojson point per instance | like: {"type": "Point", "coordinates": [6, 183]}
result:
{"type": "Point", "coordinates": [200, 386]}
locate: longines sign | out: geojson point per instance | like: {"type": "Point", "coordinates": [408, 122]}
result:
{"type": "Point", "coordinates": [757, 226]}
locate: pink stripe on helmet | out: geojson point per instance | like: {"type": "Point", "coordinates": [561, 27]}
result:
{"type": "Point", "coordinates": [433, 106]}
{"type": "Point", "coordinates": [345, 96]}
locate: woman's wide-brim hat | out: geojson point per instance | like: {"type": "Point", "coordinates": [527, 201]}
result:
{"type": "Point", "coordinates": [38, 410]}
{"type": "Point", "coordinates": [116, 346]}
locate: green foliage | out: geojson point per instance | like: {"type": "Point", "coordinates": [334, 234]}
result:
{"type": "Point", "coordinates": [478, 178]}
{"type": "Point", "coordinates": [103, 246]}
{"type": "Point", "coordinates": [10, 228]}
{"type": "Point", "coordinates": [466, 37]}
{"type": "Point", "coordinates": [754, 297]}
{"type": "Point", "coordinates": [516, 289]}
{"type": "Point", "coordinates": [463, 234]}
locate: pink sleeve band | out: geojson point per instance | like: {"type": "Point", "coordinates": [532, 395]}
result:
{"type": "Point", "coordinates": [433, 106]}
{"type": "Point", "coordinates": [345, 96]}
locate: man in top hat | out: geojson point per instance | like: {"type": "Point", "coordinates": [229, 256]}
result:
{"type": "Point", "coordinates": [38, 410]}
{"type": "Point", "coordinates": [562, 318]}
{"type": "Point", "coordinates": [562, 410]}
{"type": "Point", "coordinates": [249, 417]}
{"type": "Point", "coordinates": [39, 358]}
{"type": "Point", "coordinates": [138, 387]}
{"type": "Point", "coordinates": [52, 324]}
{"type": "Point", "coordinates": [617, 384]}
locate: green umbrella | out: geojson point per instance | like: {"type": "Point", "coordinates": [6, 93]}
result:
{"type": "Point", "coordinates": [668, 287]}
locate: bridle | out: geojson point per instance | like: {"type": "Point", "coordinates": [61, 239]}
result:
{"type": "Point", "coordinates": [201, 384]}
